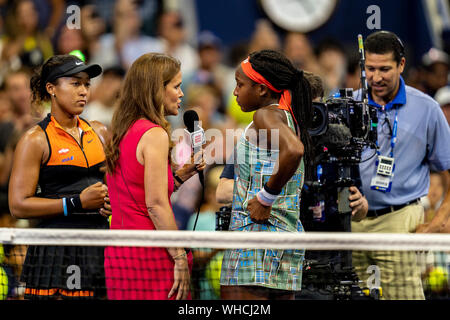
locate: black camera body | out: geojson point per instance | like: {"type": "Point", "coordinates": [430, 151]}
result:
{"type": "Point", "coordinates": [327, 281]}
{"type": "Point", "coordinates": [223, 217]}
{"type": "Point", "coordinates": [343, 126]}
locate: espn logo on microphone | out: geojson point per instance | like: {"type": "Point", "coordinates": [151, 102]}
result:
{"type": "Point", "coordinates": [197, 138]}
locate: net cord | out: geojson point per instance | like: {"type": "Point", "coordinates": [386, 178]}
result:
{"type": "Point", "coordinates": [227, 239]}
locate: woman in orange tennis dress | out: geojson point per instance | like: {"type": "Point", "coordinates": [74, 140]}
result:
{"type": "Point", "coordinates": [57, 179]}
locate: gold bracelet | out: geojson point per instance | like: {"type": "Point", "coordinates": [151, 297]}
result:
{"type": "Point", "coordinates": [183, 254]}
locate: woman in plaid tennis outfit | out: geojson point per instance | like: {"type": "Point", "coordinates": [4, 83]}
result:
{"type": "Point", "coordinates": [272, 156]}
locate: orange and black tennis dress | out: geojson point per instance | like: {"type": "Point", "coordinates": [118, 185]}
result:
{"type": "Point", "coordinates": [67, 271]}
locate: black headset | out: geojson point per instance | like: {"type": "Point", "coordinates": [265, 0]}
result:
{"type": "Point", "coordinates": [402, 47]}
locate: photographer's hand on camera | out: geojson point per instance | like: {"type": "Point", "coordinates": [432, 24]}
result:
{"type": "Point", "coordinates": [358, 204]}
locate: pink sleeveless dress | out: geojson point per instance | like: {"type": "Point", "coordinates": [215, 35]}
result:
{"type": "Point", "coordinates": [135, 273]}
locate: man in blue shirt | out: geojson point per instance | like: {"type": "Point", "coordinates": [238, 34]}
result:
{"type": "Point", "coordinates": [413, 137]}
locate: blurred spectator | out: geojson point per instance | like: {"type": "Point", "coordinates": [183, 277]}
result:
{"type": "Point", "coordinates": [188, 12]}
{"type": "Point", "coordinates": [8, 140]}
{"type": "Point", "coordinates": [442, 96]}
{"type": "Point", "coordinates": [206, 268]}
{"type": "Point", "coordinates": [92, 28]}
{"type": "Point", "coordinates": [24, 44]}
{"type": "Point", "coordinates": [435, 262]}
{"type": "Point", "coordinates": [298, 49]}
{"type": "Point", "coordinates": [211, 70]}
{"type": "Point", "coordinates": [237, 54]}
{"type": "Point", "coordinates": [69, 40]}
{"type": "Point", "coordinates": [186, 202]}
{"type": "Point", "coordinates": [433, 73]}
{"type": "Point", "coordinates": [126, 43]}
{"type": "Point", "coordinates": [333, 63]}
{"type": "Point", "coordinates": [104, 96]}
{"type": "Point", "coordinates": [206, 100]}
{"type": "Point", "coordinates": [316, 84]}
{"type": "Point", "coordinates": [436, 193]}
{"type": "Point", "coordinates": [353, 75]}
{"type": "Point", "coordinates": [17, 88]}
{"type": "Point", "coordinates": [172, 33]}
{"type": "Point", "coordinates": [55, 11]}
{"type": "Point", "coordinates": [6, 112]}
{"type": "Point", "coordinates": [264, 37]}
{"type": "Point", "coordinates": [7, 220]}
{"type": "Point", "coordinates": [11, 257]}
{"type": "Point", "coordinates": [19, 117]}
{"type": "Point", "coordinates": [104, 11]}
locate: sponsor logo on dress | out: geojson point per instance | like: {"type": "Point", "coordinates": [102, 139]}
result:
{"type": "Point", "coordinates": [67, 159]}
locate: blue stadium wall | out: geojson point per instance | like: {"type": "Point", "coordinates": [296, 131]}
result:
{"type": "Point", "coordinates": [234, 20]}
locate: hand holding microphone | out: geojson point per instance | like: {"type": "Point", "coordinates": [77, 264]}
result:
{"type": "Point", "coordinates": [197, 140]}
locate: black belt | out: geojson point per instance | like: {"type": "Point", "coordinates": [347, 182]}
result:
{"type": "Point", "coordinates": [380, 212]}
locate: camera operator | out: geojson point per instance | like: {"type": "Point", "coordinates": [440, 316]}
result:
{"type": "Point", "coordinates": [319, 213]}
{"type": "Point", "coordinates": [224, 196]}
{"type": "Point", "coordinates": [412, 133]}
{"type": "Point", "coordinates": [224, 191]}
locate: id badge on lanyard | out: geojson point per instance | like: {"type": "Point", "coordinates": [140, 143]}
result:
{"type": "Point", "coordinates": [382, 181]}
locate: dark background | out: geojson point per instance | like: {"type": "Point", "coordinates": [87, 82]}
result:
{"type": "Point", "coordinates": [234, 20]}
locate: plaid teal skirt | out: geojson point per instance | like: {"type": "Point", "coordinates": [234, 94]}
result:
{"type": "Point", "coordinates": [277, 269]}
{"type": "Point", "coordinates": [270, 268]}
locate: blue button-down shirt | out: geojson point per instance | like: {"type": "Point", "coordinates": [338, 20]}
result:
{"type": "Point", "coordinates": [423, 143]}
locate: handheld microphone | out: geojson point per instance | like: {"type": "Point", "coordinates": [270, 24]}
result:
{"type": "Point", "coordinates": [196, 134]}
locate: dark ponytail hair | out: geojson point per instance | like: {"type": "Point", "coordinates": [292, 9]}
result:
{"type": "Point", "coordinates": [281, 73]}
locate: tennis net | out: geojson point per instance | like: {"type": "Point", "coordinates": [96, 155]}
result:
{"type": "Point", "coordinates": [135, 264]}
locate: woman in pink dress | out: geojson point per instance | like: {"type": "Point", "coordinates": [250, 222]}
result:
{"type": "Point", "coordinates": [140, 182]}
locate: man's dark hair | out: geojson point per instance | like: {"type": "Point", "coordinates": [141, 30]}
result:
{"type": "Point", "coordinates": [316, 84]}
{"type": "Point", "coordinates": [117, 71]}
{"type": "Point", "coordinates": [329, 44]}
{"type": "Point", "coordinates": [353, 62]}
{"type": "Point", "coordinates": [382, 42]}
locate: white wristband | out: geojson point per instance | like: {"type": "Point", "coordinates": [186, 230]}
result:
{"type": "Point", "coordinates": [266, 198]}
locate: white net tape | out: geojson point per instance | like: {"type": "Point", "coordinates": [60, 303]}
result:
{"type": "Point", "coordinates": [227, 240]}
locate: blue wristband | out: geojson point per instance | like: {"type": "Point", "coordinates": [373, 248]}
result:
{"type": "Point", "coordinates": [65, 206]}
{"type": "Point", "coordinates": [73, 206]}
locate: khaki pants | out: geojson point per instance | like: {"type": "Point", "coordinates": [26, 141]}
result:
{"type": "Point", "coordinates": [399, 271]}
